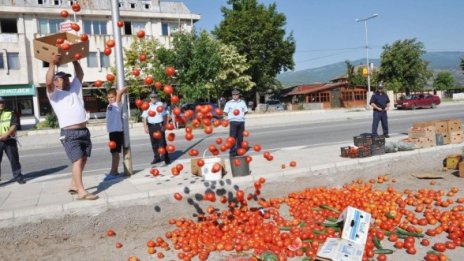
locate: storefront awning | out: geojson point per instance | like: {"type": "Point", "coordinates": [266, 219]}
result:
{"type": "Point", "coordinates": [17, 90]}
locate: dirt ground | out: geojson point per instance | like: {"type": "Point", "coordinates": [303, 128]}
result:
{"type": "Point", "coordinates": [84, 237]}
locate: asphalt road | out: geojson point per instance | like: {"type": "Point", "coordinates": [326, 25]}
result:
{"type": "Point", "coordinates": [53, 163]}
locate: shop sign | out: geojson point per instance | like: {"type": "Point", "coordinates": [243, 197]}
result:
{"type": "Point", "coordinates": [17, 90]}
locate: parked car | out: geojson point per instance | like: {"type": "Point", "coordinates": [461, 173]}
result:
{"type": "Point", "coordinates": [275, 105]}
{"type": "Point", "coordinates": [418, 101]}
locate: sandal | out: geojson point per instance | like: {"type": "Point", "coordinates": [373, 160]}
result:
{"type": "Point", "coordinates": [72, 191]}
{"type": "Point", "coordinates": [88, 196]}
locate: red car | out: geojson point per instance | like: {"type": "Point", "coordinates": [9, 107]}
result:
{"type": "Point", "coordinates": [418, 101]}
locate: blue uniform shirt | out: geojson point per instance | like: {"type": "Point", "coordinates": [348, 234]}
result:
{"type": "Point", "coordinates": [380, 99]}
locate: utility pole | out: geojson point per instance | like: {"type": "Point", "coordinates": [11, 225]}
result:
{"type": "Point", "coordinates": [127, 158]}
{"type": "Point", "coordinates": [367, 54]}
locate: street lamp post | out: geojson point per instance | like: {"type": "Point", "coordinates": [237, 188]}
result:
{"type": "Point", "coordinates": [367, 53]}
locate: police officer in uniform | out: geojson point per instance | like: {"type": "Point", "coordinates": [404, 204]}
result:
{"type": "Point", "coordinates": [156, 123]}
{"type": "Point", "coordinates": [235, 110]}
{"type": "Point", "coordinates": [8, 125]}
{"type": "Point", "coordinates": [380, 103]}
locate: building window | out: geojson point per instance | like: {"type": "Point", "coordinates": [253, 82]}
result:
{"type": "Point", "coordinates": [133, 27]}
{"type": "Point", "coordinates": [8, 26]}
{"type": "Point", "coordinates": [359, 95]}
{"type": "Point", "coordinates": [92, 60]}
{"type": "Point", "coordinates": [104, 60]}
{"type": "Point", "coordinates": [95, 27]}
{"type": "Point", "coordinates": [2, 65]}
{"type": "Point", "coordinates": [347, 96]}
{"type": "Point", "coordinates": [325, 97]}
{"type": "Point", "coordinates": [169, 28]}
{"type": "Point", "coordinates": [40, 2]}
{"type": "Point", "coordinates": [13, 61]}
{"type": "Point", "coordinates": [132, 5]}
{"type": "Point", "coordinates": [147, 6]}
{"type": "Point", "coordinates": [49, 26]}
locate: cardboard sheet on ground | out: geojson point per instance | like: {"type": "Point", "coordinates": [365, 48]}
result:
{"type": "Point", "coordinates": [427, 176]}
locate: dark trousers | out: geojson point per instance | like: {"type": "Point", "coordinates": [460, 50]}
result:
{"type": "Point", "coordinates": [380, 116]}
{"type": "Point", "coordinates": [11, 148]}
{"type": "Point", "coordinates": [236, 130]}
{"type": "Point", "coordinates": [157, 143]}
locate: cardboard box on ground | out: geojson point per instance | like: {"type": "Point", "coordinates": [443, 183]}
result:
{"type": "Point", "coordinates": [47, 46]}
{"type": "Point", "coordinates": [350, 247]}
{"type": "Point", "coordinates": [432, 133]}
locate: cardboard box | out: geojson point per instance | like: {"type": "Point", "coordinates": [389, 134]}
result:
{"type": "Point", "coordinates": [426, 142]}
{"type": "Point", "coordinates": [45, 47]}
{"type": "Point", "coordinates": [422, 124]}
{"type": "Point", "coordinates": [197, 170]}
{"type": "Point", "coordinates": [456, 137]}
{"type": "Point", "coordinates": [461, 169]}
{"type": "Point", "coordinates": [441, 127]}
{"type": "Point", "coordinates": [350, 247]}
{"type": "Point", "coordinates": [454, 125]}
{"type": "Point", "coordinates": [421, 132]}
{"type": "Point", "coordinates": [337, 249]}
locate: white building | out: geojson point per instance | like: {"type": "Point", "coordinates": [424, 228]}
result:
{"type": "Point", "coordinates": [22, 77]}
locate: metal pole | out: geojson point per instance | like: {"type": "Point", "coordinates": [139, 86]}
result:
{"type": "Point", "coordinates": [127, 159]}
{"type": "Point", "coordinates": [367, 62]}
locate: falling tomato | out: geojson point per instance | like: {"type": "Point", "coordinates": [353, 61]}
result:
{"type": "Point", "coordinates": [99, 83]}
{"type": "Point", "coordinates": [174, 99]}
{"type": "Point", "coordinates": [65, 46]}
{"type": "Point", "coordinates": [148, 80]}
{"type": "Point", "coordinates": [168, 89]}
{"type": "Point", "coordinates": [178, 196]}
{"type": "Point", "coordinates": [171, 136]}
{"type": "Point", "coordinates": [154, 172]}
{"type": "Point", "coordinates": [156, 135]}
{"type": "Point", "coordinates": [59, 40]}
{"type": "Point", "coordinates": [64, 13]}
{"type": "Point", "coordinates": [246, 133]}
{"type": "Point", "coordinates": [194, 152]}
{"type": "Point", "coordinates": [136, 72]}
{"type": "Point", "coordinates": [158, 85]}
{"type": "Point", "coordinates": [120, 23]}
{"type": "Point", "coordinates": [107, 51]}
{"type": "Point", "coordinates": [142, 57]}
{"type": "Point", "coordinates": [152, 113]}
{"type": "Point", "coordinates": [110, 43]}
{"type": "Point", "coordinates": [112, 144]}
{"type": "Point", "coordinates": [200, 163]}
{"type": "Point", "coordinates": [292, 163]}
{"type": "Point", "coordinates": [110, 77]}
{"type": "Point", "coordinates": [75, 27]}
{"type": "Point", "coordinates": [145, 106]}
{"type": "Point", "coordinates": [141, 34]}
{"type": "Point", "coordinates": [216, 167]}
{"type": "Point", "coordinates": [77, 56]}
{"type": "Point", "coordinates": [170, 71]}
{"type": "Point", "coordinates": [257, 147]}
{"type": "Point", "coordinates": [84, 37]}
{"type": "Point", "coordinates": [76, 7]}
{"type": "Point", "coordinates": [236, 112]}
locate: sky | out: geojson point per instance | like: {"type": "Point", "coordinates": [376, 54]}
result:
{"type": "Point", "coordinates": [326, 32]}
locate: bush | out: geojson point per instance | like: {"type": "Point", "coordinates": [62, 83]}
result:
{"type": "Point", "coordinates": [136, 115]}
{"type": "Point", "coordinates": [51, 120]}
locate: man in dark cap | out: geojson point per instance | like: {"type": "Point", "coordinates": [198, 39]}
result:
{"type": "Point", "coordinates": [235, 110]}
{"type": "Point", "coordinates": [8, 125]}
{"type": "Point", "coordinates": [154, 123]}
{"type": "Point", "coordinates": [380, 103]}
{"type": "Point", "coordinates": [65, 97]}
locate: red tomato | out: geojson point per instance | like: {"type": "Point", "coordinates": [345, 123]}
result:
{"type": "Point", "coordinates": [98, 83]}
{"type": "Point", "coordinates": [145, 106]}
{"type": "Point", "coordinates": [136, 72]}
{"type": "Point", "coordinates": [425, 242]}
{"type": "Point", "coordinates": [171, 136]}
{"type": "Point", "coordinates": [110, 43]}
{"type": "Point", "coordinates": [65, 46]}
{"type": "Point", "coordinates": [120, 23]}
{"type": "Point", "coordinates": [59, 41]}
{"type": "Point", "coordinates": [200, 163]}
{"type": "Point", "coordinates": [411, 251]}
{"type": "Point", "coordinates": [154, 172]}
{"type": "Point", "coordinates": [292, 163]}
{"type": "Point", "coordinates": [170, 71]}
{"type": "Point", "coordinates": [142, 57]}
{"type": "Point", "coordinates": [257, 147]}
{"type": "Point", "coordinates": [216, 167]}
{"type": "Point", "coordinates": [236, 112]}
{"type": "Point", "coordinates": [168, 89]}
{"type": "Point", "coordinates": [160, 109]}
{"type": "Point", "coordinates": [110, 233]}
{"type": "Point", "coordinates": [152, 113]}
{"type": "Point", "coordinates": [77, 56]}
{"type": "Point", "coordinates": [141, 34]}
{"type": "Point", "coordinates": [110, 77]}
{"type": "Point", "coordinates": [450, 245]}
{"type": "Point", "coordinates": [64, 13]}
{"type": "Point", "coordinates": [112, 144]}
{"type": "Point", "coordinates": [76, 7]}
{"type": "Point", "coordinates": [246, 133]}
{"type": "Point", "coordinates": [75, 27]}
{"type": "Point", "coordinates": [440, 247]}
{"type": "Point", "coordinates": [138, 103]}
{"type": "Point", "coordinates": [157, 135]}
{"type": "Point", "coordinates": [193, 152]}
{"type": "Point", "coordinates": [177, 196]}
{"type": "Point", "coordinates": [382, 257]}
{"type": "Point", "coordinates": [170, 148]}
{"type": "Point", "coordinates": [174, 99]}
{"type": "Point", "coordinates": [158, 85]}
{"type": "Point", "coordinates": [107, 51]}
{"type": "Point", "coordinates": [84, 37]}
{"type": "Point", "coordinates": [118, 245]}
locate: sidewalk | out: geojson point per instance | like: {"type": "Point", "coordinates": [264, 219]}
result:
{"type": "Point", "coordinates": [45, 198]}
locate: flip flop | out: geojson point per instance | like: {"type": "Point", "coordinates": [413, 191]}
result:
{"type": "Point", "coordinates": [88, 196]}
{"type": "Point", "coordinates": [72, 191]}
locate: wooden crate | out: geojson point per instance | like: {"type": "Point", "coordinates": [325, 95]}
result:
{"type": "Point", "coordinates": [45, 47]}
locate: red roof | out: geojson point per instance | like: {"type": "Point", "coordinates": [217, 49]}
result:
{"type": "Point", "coordinates": [305, 89]}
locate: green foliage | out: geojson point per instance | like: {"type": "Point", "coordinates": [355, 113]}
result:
{"type": "Point", "coordinates": [136, 115]}
{"type": "Point", "coordinates": [258, 33]}
{"type": "Point", "coordinates": [443, 81]}
{"type": "Point", "coordinates": [51, 120]}
{"type": "Point", "coordinates": [355, 78]}
{"type": "Point", "coordinates": [402, 68]}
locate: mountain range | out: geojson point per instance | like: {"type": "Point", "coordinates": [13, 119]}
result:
{"type": "Point", "coordinates": [438, 61]}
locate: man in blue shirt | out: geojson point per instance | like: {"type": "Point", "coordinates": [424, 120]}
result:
{"type": "Point", "coordinates": [155, 121]}
{"type": "Point", "coordinates": [235, 110]}
{"type": "Point", "coordinates": [380, 103]}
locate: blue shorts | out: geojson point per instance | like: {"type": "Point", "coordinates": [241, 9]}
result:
{"type": "Point", "coordinates": [77, 143]}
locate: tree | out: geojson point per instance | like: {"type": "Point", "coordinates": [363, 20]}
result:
{"type": "Point", "coordinates": [355, 77]}
{"type": "Point", "coordinates": [402, 68]}
{"type": "Point", "coordinates": [443, 81]}
{"type": "Point", "coordinates": [258, 33]}
{"type": "Point", "coordinates": [462, 64]}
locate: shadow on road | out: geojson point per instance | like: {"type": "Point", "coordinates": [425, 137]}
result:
{"type": "Point", "coordinates": [37, 174]}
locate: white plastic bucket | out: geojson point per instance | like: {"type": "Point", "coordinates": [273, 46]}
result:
{"type": "Point", "coordinates": [206, 170]}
